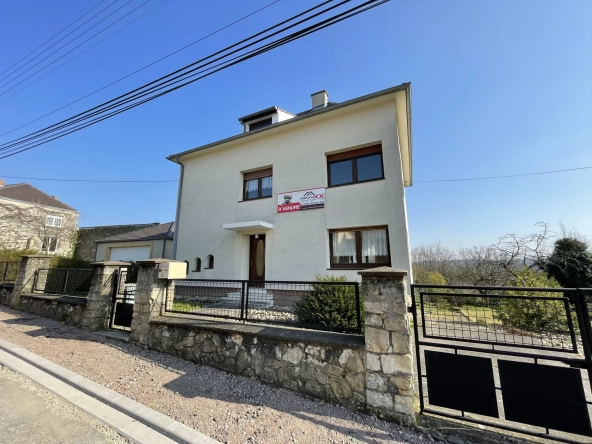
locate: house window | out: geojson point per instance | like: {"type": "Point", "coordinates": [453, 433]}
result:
{"type": "Point", "coordinates": [359, 248]}
{"type": "Point", "coordinates": [54, 221]}
{"type": "Point", "coordinates": [260, 124]}
{"type": "Point", "coordinates": [197, 264]}
{"type": "Point", "coordinates": [258, 184]}
{"type": "Point", "coordinates": [209, 262]}
{"type": "Point", "coordinates": [50, 245]}
{"type": "Point", "coordinates": [361, 165]}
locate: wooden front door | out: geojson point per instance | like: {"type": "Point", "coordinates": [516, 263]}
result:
{"type": "Point", "coordinates": [257, 258]}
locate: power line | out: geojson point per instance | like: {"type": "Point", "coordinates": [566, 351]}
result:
{"type": "Point", "coordinates": [78, 46]}
{"type": "Point", "coordinates": [506, 176]}
{"type": "Point", "coordinates": [135, 94]}
{"type": "Point", "coordinates": [176, 180]}
{"type": "Point", "coordinates": [130, 74]}
{"type": "Point", "coordinates": [54, 36]}
{"type": "Point", "coordinates": [55, 43]}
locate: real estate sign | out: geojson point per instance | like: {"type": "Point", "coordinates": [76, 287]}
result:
{"type": "Point", "coordinates": [301, 200]}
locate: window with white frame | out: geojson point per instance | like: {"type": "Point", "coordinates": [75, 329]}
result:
{"type": "Point", "coordinates": [54, 221]}
{"type": "Point", "coordinates": [50, 245]}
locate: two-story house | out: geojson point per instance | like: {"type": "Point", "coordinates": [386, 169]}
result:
{"type": "Point", "coordinates": [294, 195]}
{"type": "Point", "coordinates": [31, 219]}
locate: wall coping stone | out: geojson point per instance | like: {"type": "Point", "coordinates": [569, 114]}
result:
{"type": "Point", "coordinates": [383, 272]}
{"type": "Point", "coordinates": [111, 263]}
{"type": "Point", "coordinates": [36, 256]}
{"type": "Point", "coordinates": [157, 261]}
{"type": "Point", "coordinates": [57, 298]}
{"type": "Point", "coordinates": [283, 333]}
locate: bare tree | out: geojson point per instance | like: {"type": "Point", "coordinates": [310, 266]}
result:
{"type": "Point", "coordinates": [37, 227]}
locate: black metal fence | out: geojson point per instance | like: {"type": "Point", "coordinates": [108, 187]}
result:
{"type": "Point", "coordinates": [514, 358]}
{"type": "Point", "coordinates": [63, 281]}
{"type": "Point", "coordinates": [330, 306]}
{"type": "Point", "coordinates": [8, 271]}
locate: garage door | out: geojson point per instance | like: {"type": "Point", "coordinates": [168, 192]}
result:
{"type": "Point", "coordinates": [129, 254]}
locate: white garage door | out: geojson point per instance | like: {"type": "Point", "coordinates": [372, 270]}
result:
{"type": "Point", "coordinates": [128, 254]}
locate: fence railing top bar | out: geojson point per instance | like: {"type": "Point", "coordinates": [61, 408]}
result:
{"type": "Point", "coordinates": [269, 282]}
{"type": "Point", "coordinates": [70, 269]}
{"type": "Point", "coordinates": [494, 296]}
{"type": "Point", "coordinates": [488, 287]}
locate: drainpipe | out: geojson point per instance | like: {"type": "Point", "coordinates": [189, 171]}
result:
{"type": "Point", "coordinates": [163, 248]}
{"type": "Point", "coordinates": [179, 195]}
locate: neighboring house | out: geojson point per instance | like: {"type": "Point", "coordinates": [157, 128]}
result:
{"type": "Point", "coordinates": [31, 219]}
{"type": "Point", "coordinates": [240, 202]}
{"type": "Point", "coordinates": [154, 241]}
{"type": "Point", "coordinates": [87, 237]}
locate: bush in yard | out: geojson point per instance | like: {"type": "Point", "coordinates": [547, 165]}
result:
{"type": "Point", "coordinates": [14, 255]}
{"type": "Point", "coordinates": [532, 315]}
{"type": "Point", "coordinates": [329, 305]}
{"type": "Point", "coordinates": [68, 262]}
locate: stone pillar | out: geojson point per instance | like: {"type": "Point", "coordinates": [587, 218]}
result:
{"type": "Point", "coordinates": [390, 390]}
{"type": "Point", "coordinates": [149, 299]}
{"type": "Point", "coordinates": [100, 296]}
{"type": "Point", "coordinates": [25, 277]}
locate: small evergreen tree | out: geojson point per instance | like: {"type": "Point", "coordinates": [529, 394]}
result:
{"type": "Point", "coordinates": [570, 263]}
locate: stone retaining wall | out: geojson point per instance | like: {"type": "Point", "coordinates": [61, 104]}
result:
{"type": "Point", "coordinates": [63, 309]}
{"type": "Point", "coordinates": [334, 372]}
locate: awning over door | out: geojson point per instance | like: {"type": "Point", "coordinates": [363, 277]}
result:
{"type": "Point", "coordinates": [129, 254]}
{"type": "Point", "coordinates": [253, 226]}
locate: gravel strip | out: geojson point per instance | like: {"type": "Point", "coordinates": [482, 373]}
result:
{"type": "Point", "coordinates": [48, 407]}
{"type": "Point", "coordinates": [229, 408]}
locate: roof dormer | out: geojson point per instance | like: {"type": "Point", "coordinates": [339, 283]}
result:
{"type": "Point", "coordinates": [264, 118]}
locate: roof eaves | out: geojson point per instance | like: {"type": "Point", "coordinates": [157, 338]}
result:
{"type": "Point", "coordinates": [401, 87]}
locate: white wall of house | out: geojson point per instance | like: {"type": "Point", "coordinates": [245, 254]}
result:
{"type": "Point", "coordinates": [298, 244]}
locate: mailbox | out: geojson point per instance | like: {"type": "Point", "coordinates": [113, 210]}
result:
{"type": "Point", "coordinates": [172, 270]}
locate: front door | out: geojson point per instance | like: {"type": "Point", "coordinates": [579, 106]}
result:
{"type": "Point", "coordinates": [257, 258]}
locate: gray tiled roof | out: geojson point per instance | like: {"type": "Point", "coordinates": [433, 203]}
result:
{"type": "Point", "coordinates": [316, 109]}
{"type": "Point", "coordinates": [28, 193]}
{"type": "Point", "coordinates": [154, 232]}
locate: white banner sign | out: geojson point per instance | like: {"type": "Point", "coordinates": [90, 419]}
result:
{"type": "Point", "coordinates": [301, 200]}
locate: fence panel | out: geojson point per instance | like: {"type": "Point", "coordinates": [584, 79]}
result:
{"type": "Point", "coordinates": [332, 306]}
{"type": "Point", "coordinates": [63, 281]}
{"type": "Point", "coordinates": [8, 271]}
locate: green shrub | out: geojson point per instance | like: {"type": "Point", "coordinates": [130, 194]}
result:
{"type": "Point", "coordinates": [68, 262]}
{"type": "Point", "coordinates": [532, 315]}
{"type": "Point", "coordinates": [14, 255]}
{"type": "Point", "coordinates": [329, 305]}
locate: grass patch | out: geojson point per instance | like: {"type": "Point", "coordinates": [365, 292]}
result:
{"type": "Point", "coordinates": [185, 306]}
{"type": "Point", "coordinates": [480, 315]}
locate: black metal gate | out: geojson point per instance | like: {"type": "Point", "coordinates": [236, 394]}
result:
{"type": "Point", "coordinates": [124, 292]}
{"type": "Point", "coordinates": [513, 358]}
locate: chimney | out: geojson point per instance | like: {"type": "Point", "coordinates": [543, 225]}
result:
{"type": "Point", "coordinates": [2, 183]}
{"type": "Point", "coordinates": [319, 99]}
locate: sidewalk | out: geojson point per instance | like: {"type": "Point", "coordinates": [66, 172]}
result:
{"type": "Point", "coordinates": [228, 408]}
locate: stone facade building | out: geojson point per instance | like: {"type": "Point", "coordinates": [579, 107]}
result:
{"type": "Point", "coordinates": [31, 219]}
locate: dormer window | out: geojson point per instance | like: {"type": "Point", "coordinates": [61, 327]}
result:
{"type": "Point", "coordinates": [260, 124]}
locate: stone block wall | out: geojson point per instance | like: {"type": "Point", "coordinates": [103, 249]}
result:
{"type": "Point", "coordinates": [5, 293]}
{"type": "Point", "coordinates": [329, 371]}
{"type": "Point", "coordinates": [64, 310]}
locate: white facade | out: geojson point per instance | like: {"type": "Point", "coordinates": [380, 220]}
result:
{"type": "Point", "coordinates": [297, 245]}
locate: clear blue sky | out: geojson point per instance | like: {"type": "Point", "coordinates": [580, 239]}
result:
{"type": "Point", "coordinates": [498, 88]}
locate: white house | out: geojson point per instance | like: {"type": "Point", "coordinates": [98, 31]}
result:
{"type": "Point", "coordinates": [294, 195]}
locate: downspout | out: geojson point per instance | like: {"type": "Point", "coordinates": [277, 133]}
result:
{"type": "Point", "coordinates": [163, 248]}
{"type": "Point", "coordinates": [178, 212]}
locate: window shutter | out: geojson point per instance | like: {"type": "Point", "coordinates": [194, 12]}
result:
{"type": "Point", "coordinates": [355, 153]}
{"type": "Point", "coordinates": [259, 173]}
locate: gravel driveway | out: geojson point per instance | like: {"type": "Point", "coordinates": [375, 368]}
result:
{"type": "Point", "coordinates": [229, 408]}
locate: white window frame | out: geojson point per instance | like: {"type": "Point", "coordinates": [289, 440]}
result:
{"type": "Point", "coordinates": [47, 241]}
{"type": "Point", "coordinates": [54, 221]}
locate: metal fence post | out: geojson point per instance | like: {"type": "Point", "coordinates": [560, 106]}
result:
{"type": "Point", "coordinates": [242, 308]}
{"type": "Point", "coordinates": [65, 282]}
{"type": "Point", "coordinates": [5, 271]}
{"type": "Point", "coordinates": [245, 298]}
{"type": "Point", "coordinates": [358, 311]}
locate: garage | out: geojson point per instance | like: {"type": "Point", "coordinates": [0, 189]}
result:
{"type": "Point", "coordinates": [129, 254]}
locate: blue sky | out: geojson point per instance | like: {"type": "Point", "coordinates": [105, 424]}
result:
{"type": "Point", "coordinates": [499, 88]}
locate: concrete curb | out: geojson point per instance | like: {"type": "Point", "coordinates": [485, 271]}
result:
{"type": "Point", "coordinates": [133, 420]}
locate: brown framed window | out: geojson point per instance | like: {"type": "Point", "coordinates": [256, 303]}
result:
{"type": "Point", "coordinates": [359, 247]}
{"type": "Point", "coordinates": [258, 184]}
{"type": "Point", "coordinates": [361, 165]}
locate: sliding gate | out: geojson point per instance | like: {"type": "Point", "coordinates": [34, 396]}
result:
{"type": "Point", "coordinates": [513, 358]}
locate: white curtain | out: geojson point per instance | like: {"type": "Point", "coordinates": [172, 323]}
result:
{"type": "Point", "coordinates": [266, 184]}
{"type": "Point", "coordinates": [344, 245]}
{"type": "Point", "coordinates": [373, 244]}
{"type": "Point", "coordinates": [252, 185]}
